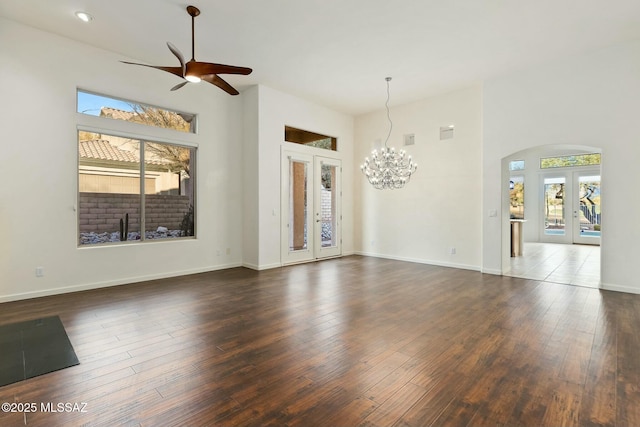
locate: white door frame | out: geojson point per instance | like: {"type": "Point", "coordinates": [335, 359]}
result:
{"type": "Point", "coordinates": [313, 249]}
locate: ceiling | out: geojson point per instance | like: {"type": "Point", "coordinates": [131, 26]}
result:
{"type": "Point", "coordinates": [337, 52]}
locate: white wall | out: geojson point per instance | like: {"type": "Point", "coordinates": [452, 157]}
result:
{"type": "Point", "coordinates": [589, 100]}
{"type": "Point", "coordinates": [38, 226]}
{"type": "Point", "coordinates": [440, 208]}
{"type": "Point", "coordinates": [251, 163]}
{"type": "Point", "coordinates": [275, 110]}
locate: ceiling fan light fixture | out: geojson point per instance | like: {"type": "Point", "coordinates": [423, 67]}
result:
{"type": "Point", "coordinates": [196, 71]}
{"type": "Point", "coordinates": [84, 16]}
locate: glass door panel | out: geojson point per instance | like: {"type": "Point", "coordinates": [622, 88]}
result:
{"type": "Point", "coordinates": [327, 212]}
{"type": "Point", "coordinates": [327, 207]}
{"type": "Point", "coordinates": [297, 208]}
{"type": "Point", "coordinates": [298, 236]}
{"type": "Point", "coordinates": [587, 212]}
{"type": "Point", "coordinates": [554, 206]}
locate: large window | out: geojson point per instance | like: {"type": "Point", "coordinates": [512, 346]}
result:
{"type": "Point", "coordinates": [133, 189]}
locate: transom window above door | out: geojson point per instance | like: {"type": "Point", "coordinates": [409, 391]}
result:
{"type": "Point", "coordinates": [310, 139]}
{"type": "Point", "coordinates": [592, 159]}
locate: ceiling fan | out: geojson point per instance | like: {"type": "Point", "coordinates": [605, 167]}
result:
{"type": "Point", "coordinates": [194, 71]}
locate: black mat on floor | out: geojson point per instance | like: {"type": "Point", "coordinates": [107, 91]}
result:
{"type": "Point", "coordinates": [32, 348]}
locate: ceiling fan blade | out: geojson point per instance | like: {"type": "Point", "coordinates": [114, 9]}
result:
{"type": "Point", "coordinates": [217, 81]}
{"type": "Point", "coordinates": [204, 68]}
{"type": "Point", "coordinates": [179, 85]}
{"type": "Point", "coordinates": [173, 70]}
{"type": "Point", "coordinates": [178, 55]}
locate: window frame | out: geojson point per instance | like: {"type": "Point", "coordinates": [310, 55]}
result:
{"type": "Point", "coordinates": [143, 133]}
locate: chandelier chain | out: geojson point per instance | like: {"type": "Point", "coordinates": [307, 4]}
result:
{"type": "Point", "coordinates": [386, 104]}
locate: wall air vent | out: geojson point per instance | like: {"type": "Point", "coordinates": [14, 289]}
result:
{"type": "Point", "coordinates": [446, 132]}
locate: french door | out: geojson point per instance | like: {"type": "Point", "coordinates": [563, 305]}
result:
{"type": "Point", "coordinates": [571, 207]}
{"type": "Point", "coordinates": [311, 214]}
{"type": "Point", "coordinates": [586, 208]}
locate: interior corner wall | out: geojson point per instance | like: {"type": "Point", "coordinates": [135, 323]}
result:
{"type": "Point", "coordinates": [586, 100]}
{"type": "Point", "coordinates": [438, 211]}
{"type": "Point", "coordinates": [250, 168]}
{"type": "Point", "coordinates": [39, 158]}
{"type": "Point", "coordinates": [275, 110]}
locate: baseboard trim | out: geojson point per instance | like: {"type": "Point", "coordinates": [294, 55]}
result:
{"type": "Point", "coordinates": [109, 283]}
{"type": "Point", "coordinates": [261, 267]}
{"type": "Point", "coordinates": [619, 288]}
{"type": "Point", "coordinates": [278, 265]}
{"type": "Point", "coordinates": [420, 261]}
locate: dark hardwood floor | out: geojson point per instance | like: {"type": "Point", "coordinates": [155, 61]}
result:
{"type": "Point", "coordinates": [354, 341]}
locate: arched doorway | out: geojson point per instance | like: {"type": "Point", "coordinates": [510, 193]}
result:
{"type": "Point", "coordinates": [554, 192]}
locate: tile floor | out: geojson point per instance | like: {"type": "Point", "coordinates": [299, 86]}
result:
{"type": "Point", "coordinates": [568, 264]}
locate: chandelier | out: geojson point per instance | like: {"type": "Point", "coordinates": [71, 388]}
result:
{"type": "Point", "coordinates": [388, 169]}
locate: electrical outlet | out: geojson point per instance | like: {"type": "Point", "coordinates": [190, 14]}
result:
{"type": "Point", "coordinates": [39, 271]}
{"type": "Point", "coordinates": [452, 251]}
{"type": "Point", "coordinates": [228, 251]}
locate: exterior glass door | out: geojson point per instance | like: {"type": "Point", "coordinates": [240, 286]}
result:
{"type": "Point", "coordinates": [310, 207]}
{"type": "Point", "coordinates": [572, 209]}
{"type": "Point", "coordinates": [586, 208]}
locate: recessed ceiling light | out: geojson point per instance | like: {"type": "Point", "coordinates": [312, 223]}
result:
{"type": "Point", "coordinates": [84, 16]}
